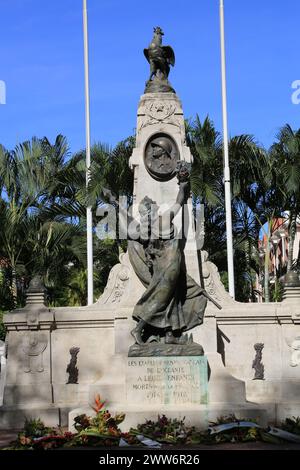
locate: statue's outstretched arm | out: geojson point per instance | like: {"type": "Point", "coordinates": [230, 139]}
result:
{"type": "Point", "coordinates": [170, 214]}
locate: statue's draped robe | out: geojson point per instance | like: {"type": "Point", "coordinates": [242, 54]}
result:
{"type": "Point", "coordinates": [172, 300]}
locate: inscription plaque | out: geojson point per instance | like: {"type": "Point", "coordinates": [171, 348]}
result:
{"type": "Point", "coordinates": [167, 380]}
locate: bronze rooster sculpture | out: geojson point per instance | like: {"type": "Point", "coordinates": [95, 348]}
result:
{"type": "Point", "coordinates": [160, 58]}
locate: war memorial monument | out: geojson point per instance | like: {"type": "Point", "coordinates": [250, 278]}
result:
{"type": "Point", "coordinates": [165, 336]}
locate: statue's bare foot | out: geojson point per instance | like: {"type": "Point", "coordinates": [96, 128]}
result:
{"type": "Point", "coordinates": [137, 335]}
{"type": "Point", "coordinates": [170, 338]}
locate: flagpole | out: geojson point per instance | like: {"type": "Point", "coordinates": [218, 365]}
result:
{"type": "Point", "coordinates": [89, 220]}
{"type": "Point", "coordinates": [226, 160]}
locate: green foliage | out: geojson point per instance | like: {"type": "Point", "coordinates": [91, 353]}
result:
{"type": "Point", "coordinates": [239, 434]}
{"type": "Point", "coordinates": [292, 425]}
{"type": "Point", "coordinates": [264, 185]}
{"type": "Point", "coordinates": [6, 297]}
{"type": "Point", "coordinates": [43, 199]}
{"type": "Point", "coordinates": [247, 165]}
{"type": "Point", "coordinates": [103, 430]}
{"type": "Point", "coordinates": [36, 436]}
{"type": "Point", "coordinates": [277, 291]}
{"type": "Point", "coordinates": [110, 169]}
{"type": "Point", "coordinates": [285, 156]}
{"type": "Point", "coordinates": [43, 202]}
{"type": "Point", "coordinates": [165, 430]}
{"type": "Point", "coordinates": [35, 428]}
{"type": "Point", "coordinates": [32, 240]}
{"type": "Point", "coordinates": [227, 419]}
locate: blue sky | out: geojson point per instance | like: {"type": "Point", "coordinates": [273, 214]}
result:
{"type": "Point", "coordinates": [41, 62]}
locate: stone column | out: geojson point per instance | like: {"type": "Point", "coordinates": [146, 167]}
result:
{"type": "Point", "coordinates": [161, 114]}
{"type": "Point", "coordinates": [2, 370]}
{"type": "Point", "coordinates": [29, 373]}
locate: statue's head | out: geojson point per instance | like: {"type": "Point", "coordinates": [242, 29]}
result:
{"type": "Point", "coordinates": [161, 146]}
{"type": "Point", "coordinates": [157, 30]}
{"type": "Point", "coordinates": [183, 171]}
{"type": "Point", "coordinates": [259, 347]}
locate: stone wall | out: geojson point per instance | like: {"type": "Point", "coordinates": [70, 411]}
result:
{"type": "Point", "coordinates": [38, 358]}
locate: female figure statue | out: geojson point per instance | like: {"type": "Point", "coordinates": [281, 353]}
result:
{"type": "Point", "coordinates": [173, 302]}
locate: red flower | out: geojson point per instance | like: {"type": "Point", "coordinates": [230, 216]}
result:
{"type": "Point", "coordinates": [98, 403]}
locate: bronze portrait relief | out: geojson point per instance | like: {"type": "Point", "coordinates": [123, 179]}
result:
{"type": "Point", "coordinates": [161, 157]}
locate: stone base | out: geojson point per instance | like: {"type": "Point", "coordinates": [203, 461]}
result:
{"type": "Point", "coordinates": [157, 85]}
{"type": "Point", "coordinates": [13, 417]}
{"type": "Point", "coordinates": [70, 393]}
{"type": "Point", "coordinates": [222, 386]}
{"type": "Point", "coordinates": [273, 391]}
{"type": "Point", "coordinates": [23, 394]}
{"type": "Point", "coordinates": [263, 391]}
{"type": "Point", "coordinates": [199, 416]}
{"type": "Point", "coordinates": [286, 410]}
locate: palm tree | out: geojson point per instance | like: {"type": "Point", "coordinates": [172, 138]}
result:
{"type": "Point", "coordinates": [31, 239]}
{"type": "Point", "coordinates": [63, 206]}
{"type": "Point", "coordinates": [248, 162]}
{"type": "Point", "coordinates": [110, 169]}
{"type": "Point", "coordinates": [207, 170]}
{"type": "Point", "coordinates": [285, 153]}
{"type": "Point", "coordinates": [267, 206]}
{"type": "Point", "coordinates": [247, 159]}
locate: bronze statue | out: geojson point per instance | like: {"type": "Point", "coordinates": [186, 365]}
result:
{"type": "Point", "coordinates": [160, 58]}
{"type": "Point", "coordinates": [173, 302]}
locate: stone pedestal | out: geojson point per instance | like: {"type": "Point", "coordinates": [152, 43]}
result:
{"type": "Point", "coordinates": [264, 391]}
